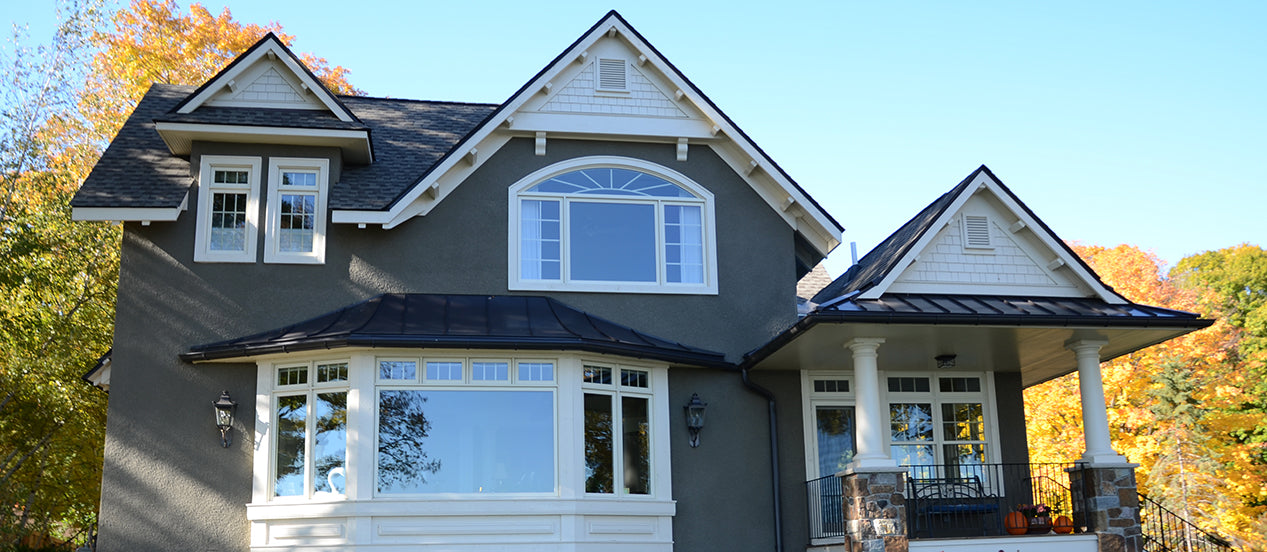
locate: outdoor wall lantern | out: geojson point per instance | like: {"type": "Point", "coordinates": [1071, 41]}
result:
{"type": "Point", "coordinates": [945, 362]}
{"type": "Point", "coordinates": [224, 417]}
{"type": "Point", "coordinates": [695, 418]}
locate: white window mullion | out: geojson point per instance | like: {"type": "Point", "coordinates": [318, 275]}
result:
{"type": "Point", "coordinates": [362, 372]}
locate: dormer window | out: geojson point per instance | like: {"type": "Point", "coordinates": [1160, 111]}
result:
{"type": "Point", "coordinates": [228, 209]}
{"type": "Point", "coordinates": [613, 75]}
{"type": "Point", "coordinates": [976, 232]}
{"type": "Point", "coordinates": [296, 210]}
{"type": "Point", "coordinates": [601, 226]}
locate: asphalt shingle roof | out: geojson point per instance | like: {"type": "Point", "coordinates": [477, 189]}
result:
{"type": "Point", "coordinates": [409, 137]}
{"type": "Point", "coordinates": [459, 321]}
{"type": "Point", "coordinates": [138, 170]}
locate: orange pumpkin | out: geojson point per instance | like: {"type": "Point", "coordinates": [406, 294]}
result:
{"type": "Point", "coordinates": [1016, 523]}
{"type": "Point", "coordinates": [1062, 525]}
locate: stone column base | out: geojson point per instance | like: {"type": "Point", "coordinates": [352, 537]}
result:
{"type": "Point", "coordinates": [875, 511]}
{"type": "Point", "coordinates": [1106, 502]}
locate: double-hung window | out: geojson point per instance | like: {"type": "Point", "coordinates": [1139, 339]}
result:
{"type": "Point", "coordinates": [297, 193]}
{"type": "Point", "coordinates": [612, 224]}
{"type": "Point", "coordinates": [228, 209]}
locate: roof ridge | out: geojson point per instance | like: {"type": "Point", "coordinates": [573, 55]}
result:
{"type": "Point", "coordinates": [415, 100]}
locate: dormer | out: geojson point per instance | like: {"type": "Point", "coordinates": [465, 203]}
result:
{"type": "Point", "coordinates": [266, 96]}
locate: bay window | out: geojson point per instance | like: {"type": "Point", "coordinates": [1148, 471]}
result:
{"type": "Point", "coordinates": [310, 417]}
{"type": "Point", "coordinates": [611, 224]}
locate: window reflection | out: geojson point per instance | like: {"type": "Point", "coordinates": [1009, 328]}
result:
{"type": "Point", "coordinates": [465, 441]}
{"type": "Point", "coordinates": [598, 444]}
{"type": "Point", "coordinates": [836, 438]}
{"type": "Point", "coordinates": [292, 431]}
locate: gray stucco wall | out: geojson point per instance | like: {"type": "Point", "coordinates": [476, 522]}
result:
{"type": "Point", "coordinates": [1010, 403]}
{"type": "Point", "coordinates": [169, 486]}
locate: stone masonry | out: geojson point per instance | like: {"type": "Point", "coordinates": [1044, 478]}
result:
{"type": "Point", "coordinates": [1106, 502]}
{"type": "Point", "coordinates": [875, 511]}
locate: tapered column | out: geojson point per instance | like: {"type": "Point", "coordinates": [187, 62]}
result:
{"type": "Point", "coordinates": [1095, 417]}
{"type": "Point", "coordinates": [871, 420]}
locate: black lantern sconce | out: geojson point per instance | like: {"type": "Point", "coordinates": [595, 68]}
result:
{"type": "Point", "coordinates": [224, 417]}
{"type": "Point", "coordinates": [695, 418]}
{"type": "Point", "coordinates": [945, 362]}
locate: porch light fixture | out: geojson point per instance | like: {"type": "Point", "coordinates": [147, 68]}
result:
{"type": "Point", "coordinates": [695, 418]}
{"type": "Point", "coordinates": [945, 362]}
{"type": "Point", "coordinates": [224, 417]}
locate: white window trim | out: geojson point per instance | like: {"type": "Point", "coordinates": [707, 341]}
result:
{"type": "Point", "coordinates": [936, 398]}
{"type": "Point", "coordinates": [206, 186]}
{"type": "Point", "coordinates": [708, 287]}
{"type": "Point", "coordinates": [333, 521]}
{"type": "Point", "coordinates": [272, 246]}
{"type": "Point", "coordinates": [810, 402]}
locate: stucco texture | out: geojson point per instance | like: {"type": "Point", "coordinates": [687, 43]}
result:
{"type": "Point", "coordinates": [168, 485]}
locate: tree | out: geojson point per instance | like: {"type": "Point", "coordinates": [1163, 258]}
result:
{"type": "Point", "coordinates": [62, 102]}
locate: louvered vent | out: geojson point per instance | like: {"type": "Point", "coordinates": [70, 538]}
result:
{"type": "Point", "coordinates": [976, 231]}
{"type": "Point", "coordinates": [612, 75]}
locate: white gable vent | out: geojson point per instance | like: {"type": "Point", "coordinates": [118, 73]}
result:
{"type": "Point", "coordinates": [612, 75]}
{"type": "Point", "coordinates": [976, 232]}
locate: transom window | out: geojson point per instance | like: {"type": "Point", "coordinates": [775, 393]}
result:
{"type": "Point", "coordinates": [605, 227]}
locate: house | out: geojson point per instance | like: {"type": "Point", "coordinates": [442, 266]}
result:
{"type": "Point", "coordinates": [563, 322]}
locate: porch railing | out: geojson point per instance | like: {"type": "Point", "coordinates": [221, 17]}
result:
{"type": "Point", "coordinates": [826, 511]}
{"type": "Point", "coordinates": [1167, 531]}
{"type": "Point", "coordinates": [1006, 485]}
{"type": "Point", "coordinates": [1010, 484]}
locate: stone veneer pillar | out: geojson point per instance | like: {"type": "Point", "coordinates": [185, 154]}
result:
{"type": "Point", "coordinates": [875, 511]}
{"type": "Point", "coordinates": [1106, 502]}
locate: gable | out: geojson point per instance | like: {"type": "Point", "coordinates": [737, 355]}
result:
{"type": "Point", "coordinates": [568, 99]}
{"type": "Point", "coordinates": [269, 75]}
{"type": "Point", "coordinates": [267, 84]}
{"type": "Point", "coordinates": [976, 239]}
{"type": "Point", "coordinates": [977, 252]}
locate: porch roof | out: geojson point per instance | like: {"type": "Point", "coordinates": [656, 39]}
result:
{"type": "Point", "coordinates": [418, 320]}
{"type": "Point", "coordinates": [1001, 333]}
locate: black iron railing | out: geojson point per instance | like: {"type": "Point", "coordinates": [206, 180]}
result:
{"type": "Point", "coordinates": [985, 494]}
{"type": "Point", "coordinates": [1166, 531]}
{"type": "Point", "coordinates": [826, 511]}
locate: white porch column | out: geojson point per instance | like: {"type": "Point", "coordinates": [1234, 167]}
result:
{"type": "Point", "coordinates": [870, 418]}
{"type": "Point", "coordinates": [1095, 417]}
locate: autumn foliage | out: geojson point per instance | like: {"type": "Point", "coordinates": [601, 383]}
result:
{"type": "Point", "coordinates": [1189, 410]}
{"type": "Point", "coordinates": [62, 103]}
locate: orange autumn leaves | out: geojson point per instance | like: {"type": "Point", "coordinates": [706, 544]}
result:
{"type": "Point", "coordinates": [1188, 455]}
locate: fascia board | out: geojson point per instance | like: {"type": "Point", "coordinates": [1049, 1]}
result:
{"type": "Point", "coordinates": [360, 217]}
{"type": "Point", "coordinates": [942, 220]}
{"type": "Point", "coordinates": [821, 224]}
{"type": "Point", "coordinates": [122, 214]}
{"type": "Point", "coordinates": [178, 135]}
{"type": "Point", "coordinates": [590, 125]}
{"type": "Point", "coordinates": [280, 53]}
{"type": "Point", "coordinates": [1053, 243]}
{"type": "Point", "coordinates": [765, 163]}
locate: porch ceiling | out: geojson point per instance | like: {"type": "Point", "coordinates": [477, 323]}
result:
{"type": "Point", "coordinates": [1037, 352]}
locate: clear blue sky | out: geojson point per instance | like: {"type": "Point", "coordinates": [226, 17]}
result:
{"type": "Point", "coordinates": [1116, 122]}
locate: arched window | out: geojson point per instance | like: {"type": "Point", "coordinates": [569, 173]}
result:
{"type": "Point", "coordinates": [611, 224]}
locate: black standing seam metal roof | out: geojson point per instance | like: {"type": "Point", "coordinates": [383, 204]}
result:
{"type": "Point", "coordinates": [983, 310]}
{"type": "Point", "coordinates": [883, 259]}
{"type": "Point", "coordinates": [459, 321]}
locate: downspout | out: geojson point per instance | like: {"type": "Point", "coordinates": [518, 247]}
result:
{"type": "Point", "coordinates": [774, 456]}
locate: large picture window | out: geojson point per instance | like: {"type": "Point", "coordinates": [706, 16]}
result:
{"type": "Point", "coordinates": [611, 224]}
